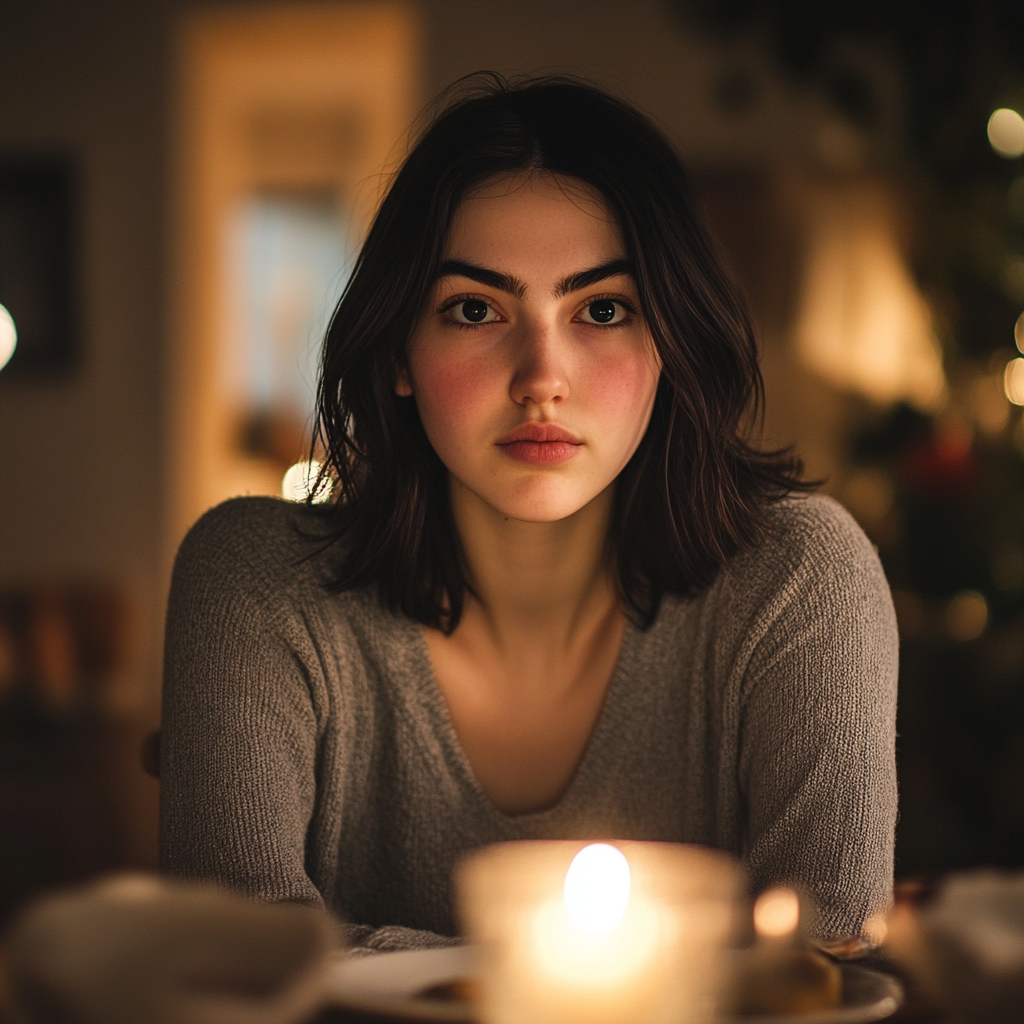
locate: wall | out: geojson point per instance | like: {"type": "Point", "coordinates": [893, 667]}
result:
{"type": "Point", "coordinates": [78, 491]}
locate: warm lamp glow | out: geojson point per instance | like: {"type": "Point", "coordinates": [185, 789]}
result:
{"type": "Point", "coordinates": [1013, 381]}
{"type": "Point", "coordinates": [597, 889]}
{"type": "Point", "coordinates": [300, 480]}
{"type": "Point", "coordinates": [1018, 333]}
{"type": "Point", "coordinates": [862, 323]}
{"type": "Point", "coordinates": [8, 337]}
{"type": "Point", "coordinates": [1006, 132]}
{"type": "Point", "coordinates": [776, 913]}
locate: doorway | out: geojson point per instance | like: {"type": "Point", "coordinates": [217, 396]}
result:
{"type": "Point", "coordinates": [290, 118]}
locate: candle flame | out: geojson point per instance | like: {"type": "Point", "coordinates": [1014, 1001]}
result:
{"type": "Point", "coordinates": [597, 889]}
{"type": "Point", "coordinates": [777, 913]}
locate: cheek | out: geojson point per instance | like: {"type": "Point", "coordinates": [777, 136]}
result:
{"type": "Point", "coordinates": [621, 388]}
{"type": "Point", "coordinates": [454, 392]}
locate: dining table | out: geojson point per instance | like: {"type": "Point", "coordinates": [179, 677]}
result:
{"type": "Point", "coordinates": [915, 1009]}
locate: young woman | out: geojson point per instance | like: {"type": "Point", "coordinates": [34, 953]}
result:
{"type": "Point", "coordinates": [558, 593]}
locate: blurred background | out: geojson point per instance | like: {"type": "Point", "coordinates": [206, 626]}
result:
{"type": "Point", "coordinates": [182, 190]}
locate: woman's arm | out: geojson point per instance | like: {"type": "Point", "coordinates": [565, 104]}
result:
{"type": "Point", "coordinates": [817, 756]}
{"type": "Point", "coordinates": [238, 729]}
{"type": "Point", "coordinates": [245, 707]}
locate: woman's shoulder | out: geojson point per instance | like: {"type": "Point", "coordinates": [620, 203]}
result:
{"type": "Point", "coordinates": [260, 545]}
{"type": "Point", "coordinates": [812, 556]}
{"type": "Point", "coordinates": [810, 535]}
{"type": "Point", "coordinates": [814, 580]}
{"type": "Point", "coordinates": [260, 528]}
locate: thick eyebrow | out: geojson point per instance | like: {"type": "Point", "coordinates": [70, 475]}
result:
{"type": "Point", "coordinates": [491, 278]}
{"type": "Point", "coordinates": [513, 286]}
{"type": "Point", "coordinates": [585, 278]}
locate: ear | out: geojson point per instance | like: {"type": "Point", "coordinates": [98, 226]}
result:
{"type": "Point", "coordinates": [403, 387]}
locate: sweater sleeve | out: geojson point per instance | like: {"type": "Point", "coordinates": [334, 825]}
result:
{"type": "Point", "coordinates": [238, 729]}
{"type": "Point", "coordinates": [817, 753]}
{"type": "Point", "coordinates": [244, 708]}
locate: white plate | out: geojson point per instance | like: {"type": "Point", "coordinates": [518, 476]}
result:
{"type": "Point", "coordinates": [387, 984]}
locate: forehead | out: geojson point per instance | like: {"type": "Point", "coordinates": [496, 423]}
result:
{"type": "Point", "coordinates": [534, 215]}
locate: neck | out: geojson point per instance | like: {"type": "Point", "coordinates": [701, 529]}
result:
{"type": "Point", "coordinates": [545, 583]}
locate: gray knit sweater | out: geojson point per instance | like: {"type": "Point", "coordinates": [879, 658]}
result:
{"type": "Point", "coordinates": [308, 754]}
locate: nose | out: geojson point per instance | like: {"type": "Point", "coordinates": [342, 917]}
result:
{"type": "Point", "coordinates": [540, 375]}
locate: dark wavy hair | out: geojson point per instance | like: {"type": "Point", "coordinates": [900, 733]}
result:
{"type": "Point", "coordinates": [693, 495]}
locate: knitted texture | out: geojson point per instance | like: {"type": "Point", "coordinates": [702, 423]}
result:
{"type": "Point", "coordinates": [308, 754]}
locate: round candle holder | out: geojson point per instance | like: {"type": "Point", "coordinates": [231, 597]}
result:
{"type": "Point", "coordinates": [599, 933]}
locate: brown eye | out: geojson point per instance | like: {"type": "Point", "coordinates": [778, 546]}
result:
{"type": "Point", "coordinates": [603, 311]}
{"type": "Point", "coordinates": [472, 311]}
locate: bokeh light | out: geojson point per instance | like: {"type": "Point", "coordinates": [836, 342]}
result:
{"type": "Point", "coordinates": [967, 615]}
{"type": "Point", "coordinates": [1006, 132]}
{"type": "Point", "coordinates": [8, 337]}
{"type": "Point", "coordinates": [1018, 333]}
{"type": "Point", "coordinates": [1013, 381]}
{"type": "Point", "coordinates": [777, 913]}
{"type": "Point", "coordinates": [299, 481]}
{"type": "Point", "coordinates": [875, 929]}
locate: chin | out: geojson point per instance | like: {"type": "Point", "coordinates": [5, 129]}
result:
{"type": "Point", "coordinates": [543, 507]}
{"type": "Point", "coordinates": [539, 515]}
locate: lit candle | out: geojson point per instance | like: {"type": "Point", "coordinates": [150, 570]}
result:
{"type": "Point", "coordinates": [599, 933]}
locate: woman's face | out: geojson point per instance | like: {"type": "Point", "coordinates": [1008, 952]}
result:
{"type": "Point", "coordinates": [532, 368]}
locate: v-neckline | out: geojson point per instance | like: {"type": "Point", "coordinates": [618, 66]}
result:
{"type": "Point", "coordinates": [438, 705]}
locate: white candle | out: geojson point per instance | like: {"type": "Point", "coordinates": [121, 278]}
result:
{"type": "Point", "coordinates": [601, 933]}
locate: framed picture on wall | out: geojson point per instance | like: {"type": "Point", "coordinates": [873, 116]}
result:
{"type": "Point", "coordinates": [37, 263]}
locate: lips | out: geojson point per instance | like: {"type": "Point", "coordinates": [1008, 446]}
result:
{"type": "Point", "coordinates": [540, 444]}
{"type": "Point", "coordinates": [542, 433]}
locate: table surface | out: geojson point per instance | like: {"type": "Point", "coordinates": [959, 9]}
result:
{"type": "Point", "coordinates": [915, 1009]}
